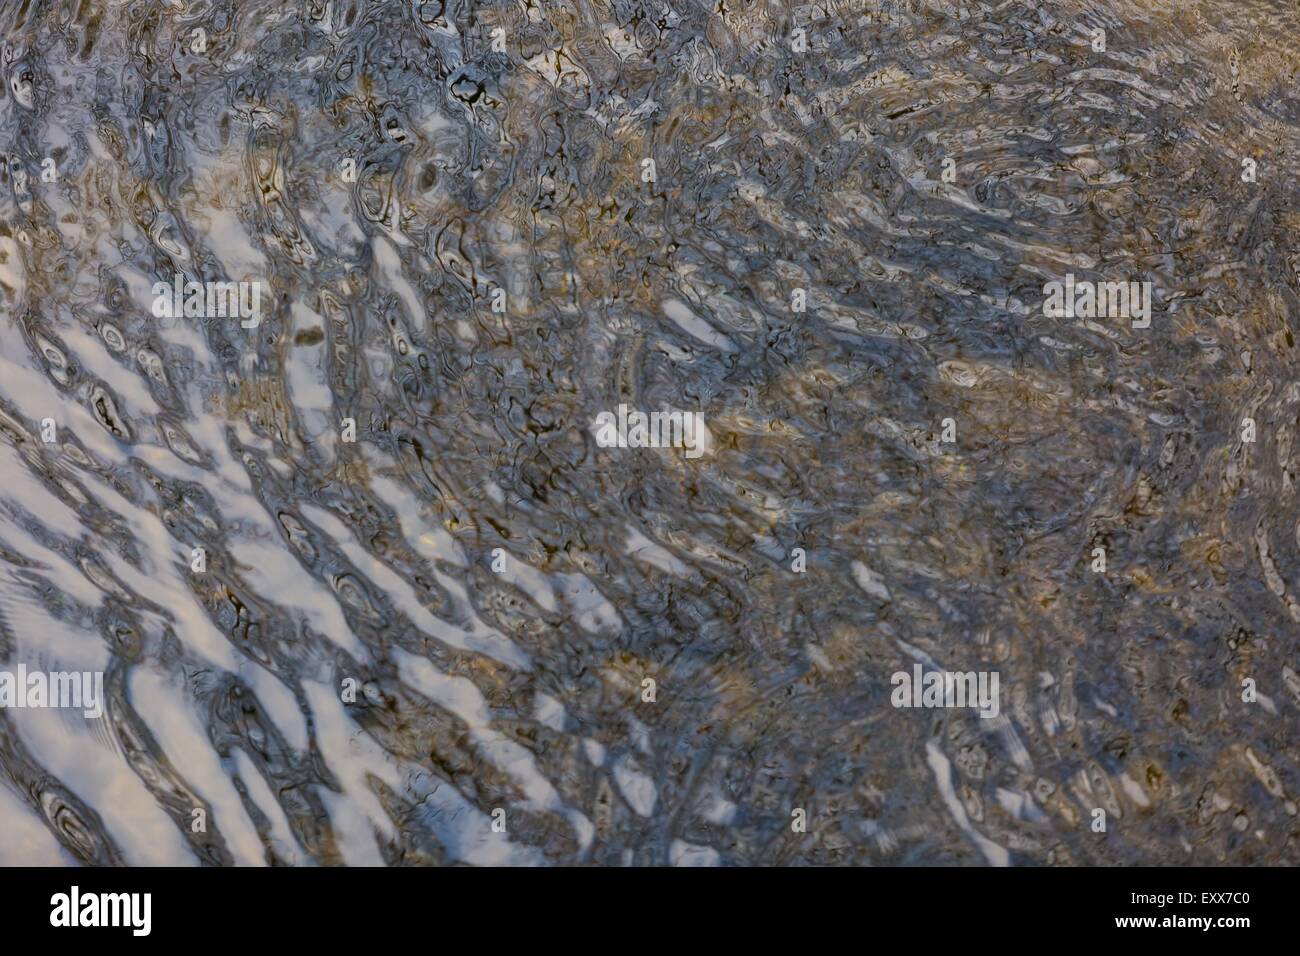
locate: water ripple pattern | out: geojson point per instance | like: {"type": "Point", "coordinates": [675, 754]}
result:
{"type": "Point", "coordinates": [365, 586]}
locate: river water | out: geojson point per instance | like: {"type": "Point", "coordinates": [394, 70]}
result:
{"type": "Point", "coordinates": [363, 585]}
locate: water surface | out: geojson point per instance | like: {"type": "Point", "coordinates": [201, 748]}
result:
{"type": "Point", "coordinates": [515, 161]}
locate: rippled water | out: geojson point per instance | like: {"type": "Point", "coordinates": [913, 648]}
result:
{"type": "Point", "coordinates": [503, 267]}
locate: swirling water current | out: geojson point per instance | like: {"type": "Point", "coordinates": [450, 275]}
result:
{"type": "Point", "coordinates": [363, 586]}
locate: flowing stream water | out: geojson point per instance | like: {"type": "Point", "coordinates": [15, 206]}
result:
{"type": "Point", "coordinates": [365, 588]}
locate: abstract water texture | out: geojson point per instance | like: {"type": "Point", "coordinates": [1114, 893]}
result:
{"type": "Point", "coordinates": [364, 588]}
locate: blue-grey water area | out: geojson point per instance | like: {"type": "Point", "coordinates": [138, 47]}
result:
{"type": "Point", "coordinates": [468, 633]}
